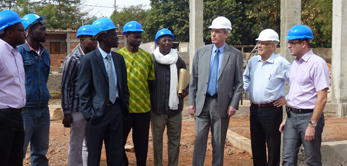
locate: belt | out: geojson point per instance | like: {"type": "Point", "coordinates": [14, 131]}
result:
{"type": "Point", "coordinates": [109, 103]}
{"type": "Point", "coordinates": [213, 96]}
{"type": "Point", "coordinates": [265, 105]}
{"type": "Point", "coordinates": [13, 110]}
{"type": "Point", "coordinates": [300, 111]}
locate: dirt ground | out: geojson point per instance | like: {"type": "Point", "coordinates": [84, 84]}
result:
{"type": "Point", "coordinates": [59, 140]}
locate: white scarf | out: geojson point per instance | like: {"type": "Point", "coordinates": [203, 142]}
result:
{"type": "Point", "coordinates": [170, 59]}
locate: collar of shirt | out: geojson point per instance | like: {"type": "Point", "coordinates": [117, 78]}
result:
{"type": "Point", "coordinates": [79, 48]}
{"type": "Point", "coordinates": [270, 59]}
{"type": "Point", "coordinates": [221, 49]}
{"type": "Point", "coordinates": [305, 57]}
{"type": "Point", "coordinates": [103, 53]}
{"type": "Point", "coordinates": [38, 52]}
{"type": "Point", "coordinates": [8, 47]}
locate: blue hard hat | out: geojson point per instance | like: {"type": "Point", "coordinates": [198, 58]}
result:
{"type": "Point", "coordinates": [300, 32]}
{"type": "Point", "coordinates": [8, 18]}
{"type": "Point", "coordinates": [132, 26]}
{"type": "Point", "coordinates": [29, 19]}
{"type": "Point", "coordinates": [85, 30]}
{"type": "Point", "coordinates": [163, 32]}
{"type": "Point", "coordinates": [102, 24]}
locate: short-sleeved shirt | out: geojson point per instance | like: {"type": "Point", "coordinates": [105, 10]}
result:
{"type": "Point", "coordinates": [140, 69]}
{"type": "Point", "coordinates": [308, 75]}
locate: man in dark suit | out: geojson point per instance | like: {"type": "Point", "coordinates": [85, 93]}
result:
{"type": "Point", "coordinates": [104, 95]}
{"type": "Point", "coordinates": [214, 91]}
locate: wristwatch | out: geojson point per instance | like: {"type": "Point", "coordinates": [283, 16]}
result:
{"type": "Point", "coordinates": [313, 123]}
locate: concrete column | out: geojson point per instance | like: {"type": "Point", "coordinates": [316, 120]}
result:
{"type": "Point", "coordinates": [339, 71]}
{"type": "Point", "coordinates": [290, 16]}
{"type": "Point", "coordinates": [195, 28]}
{"type": "Point", "coordinates": [68, 43]}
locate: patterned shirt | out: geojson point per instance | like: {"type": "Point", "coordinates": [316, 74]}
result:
{"type": "Point", "coordinates": [69, 90]}
{"type": "Point", "coordinates": [140, 69]}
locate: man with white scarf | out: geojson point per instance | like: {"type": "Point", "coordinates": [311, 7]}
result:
{"type": "Point", "coordinates": [166, 103]}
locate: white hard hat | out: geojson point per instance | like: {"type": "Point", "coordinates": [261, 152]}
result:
{"type": "Point", "coordinates": [221, 22]}
{"type": "Point", "coordinates": [268, 35]}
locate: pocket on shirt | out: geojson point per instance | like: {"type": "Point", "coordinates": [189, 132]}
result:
{"type": "Point", "coordinates": [28, 65]}
{"type": "Point", "coordinates": [274, 82]}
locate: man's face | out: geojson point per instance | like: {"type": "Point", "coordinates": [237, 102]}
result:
{"type": "Point", "coordinates": [265, 48]}
{"type": "Point", "coordinates": [89, 43]}
{"type": "Point", "coordinates": [165, 44]}
{"type": "Point", "coordinates": [17, 33]}
{"type": "Point", "coordinates": [134, 38]}
{"type": "Point", "coordinates": [218, 36]}
{"type": "Point", "coordinates": [38, 32]}
{"type": "Point", "coordinates": [295, 47]}
{"type": "Point", "coordinates": [112, 38]}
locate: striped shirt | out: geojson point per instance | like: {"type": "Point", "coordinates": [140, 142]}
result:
{"type": "Point", "coordinates": [69, 90]}
{"type": "Point", "coordinates": [140, 70]}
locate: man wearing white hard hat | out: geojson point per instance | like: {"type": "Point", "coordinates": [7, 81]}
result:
{"type": "Point", "coordinates": [264, 81]}
{"type": "Point", "coordinates": [214, 91]}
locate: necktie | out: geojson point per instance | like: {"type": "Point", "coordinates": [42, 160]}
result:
{"type": "Point", "coordinates": [111, 80]}
{"type": "Point", "coordinates": [212, 85]}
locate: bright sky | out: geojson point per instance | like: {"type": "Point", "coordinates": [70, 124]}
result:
{"type": "Point", "coordinates": [105, 7]}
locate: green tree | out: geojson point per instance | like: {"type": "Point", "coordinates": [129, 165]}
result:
{"type": "Point", "coordinates": [61, 14]}
{"type": "Point", "coordinates": [171, 14]}
{"type": "Point", "coordinates": [132, 13]}
{"type": "Point", "coordinates": [7, 4]}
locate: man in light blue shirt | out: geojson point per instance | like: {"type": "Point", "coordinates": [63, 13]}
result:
{"type": "Point", "coordinates": [264, 81]}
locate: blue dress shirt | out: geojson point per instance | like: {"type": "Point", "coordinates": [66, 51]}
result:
{"type": "Point", "coordinates": [264, 82]}
{"type": "Point", "coordinates": [213, 54]}
{"type": "Point", "coordinates": [104, 55]}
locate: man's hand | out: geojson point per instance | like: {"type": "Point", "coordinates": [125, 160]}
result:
{"type": "Point", "coordinates": [67, 120]}
{"type": "Point", "coordinates": [309, 134]}
{"type": "Point", "coordinates": [281, 129]}
{"type": "Point", "coordinates": [231, 111]}
{"type": "Point", "coordinates": [185, 93]}
{"type": "Point", "coordinates": [192, 110]}
{"type": "Point", "coordinates": [280, 101]}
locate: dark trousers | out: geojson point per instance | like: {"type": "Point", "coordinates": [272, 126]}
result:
{"type": "Point", "coordinates": [139, 122]}
{"type": "Point", "coordinates": [108, 128]}
{"type": "Point", "coordinates": [264, 124]}
{"type": "Point", "coordinates": [11, 137]}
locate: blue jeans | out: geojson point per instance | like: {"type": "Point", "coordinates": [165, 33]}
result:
{"type": "Point", "coordinates": [36, 126]}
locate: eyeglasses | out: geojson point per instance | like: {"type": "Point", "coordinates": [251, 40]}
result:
{"type": "Point", "coordinates": [293, 43]}
{"type": "Point", "coordinates": [264, 44]}
{"type": "Point", "coordinates": [19, 30]}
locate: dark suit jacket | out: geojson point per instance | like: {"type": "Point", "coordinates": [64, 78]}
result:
{"type": "Point", "coordinates": [93, 85]}
{"type": "Point", "coordinates": [229, 80]}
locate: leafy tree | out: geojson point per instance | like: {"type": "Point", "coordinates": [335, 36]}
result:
{"type": "Point", "coordinates": [131, 13]}
{"type": "Point", "coordinates": [61, 14]}
{"type": "Point", "coordinates": [317, 14]}
{"type": "Point", "coordinates": [171, 14]}
{"type": "Point", "coordinates": [7, 4]}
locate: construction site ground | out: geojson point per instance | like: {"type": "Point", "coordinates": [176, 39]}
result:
{"type": "Point", "coordinates": [334, 130]}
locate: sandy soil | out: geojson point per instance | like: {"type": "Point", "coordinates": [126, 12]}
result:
{"type": "Point", "coordinates": [59, 139]}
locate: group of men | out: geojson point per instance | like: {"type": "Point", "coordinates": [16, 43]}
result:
{"type": "Point", "coordinates": [105, 94]}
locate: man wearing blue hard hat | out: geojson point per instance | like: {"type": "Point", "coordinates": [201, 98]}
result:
{"type": "Point", "coordinates": [309, 83]}
{"type": "Point", "coordinates": [104, 95]}
{"type": "Point", "coordinates": [12, 93]}
{"type": "Point", "coordinates": [73, 117]}
{"type": "Point", "coordinates": [35, 114]}
{"type": "Point", "coordinates": [167, 103]}
{"type": "Point", "coordinates": [140, 70]}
